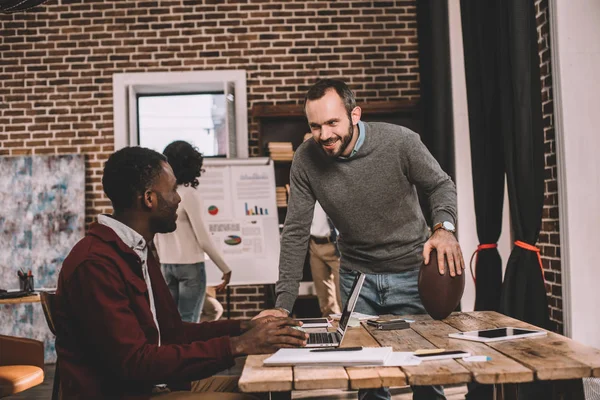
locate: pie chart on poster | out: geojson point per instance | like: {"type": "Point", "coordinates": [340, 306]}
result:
{"type": "Point", "coordinates": [233, 240]}
{"type": "Point", "coordinates": [213, 210]}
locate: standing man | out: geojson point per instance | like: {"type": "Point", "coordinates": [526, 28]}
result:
{"type": "Point", "coordinates": [364, 175]}
{"type": "Point", "coordinates": [324, 260]}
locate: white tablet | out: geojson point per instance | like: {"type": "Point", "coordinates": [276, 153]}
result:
{"type": "Point", "coordinates": [496, 334]}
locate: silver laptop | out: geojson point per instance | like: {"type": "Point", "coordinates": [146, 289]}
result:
{"type": "Point", "coordinates": [334, 339]}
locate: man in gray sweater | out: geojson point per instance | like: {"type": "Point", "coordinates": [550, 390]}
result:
{"type": "Point", "coordinates": [364, 176]}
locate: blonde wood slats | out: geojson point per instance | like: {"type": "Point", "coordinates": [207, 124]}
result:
{"type": "Point", "coordinates": [427, 373]}
{"type": "Point", "coordinates": [309, 377]}
{"type": "Point", "coordinates": [552, 357]}
{"type": "Point", "coordinates": [577, 351]}
{"type": "Point", "coordinates": [370, 377]}
{"type": "Point", "coordinates": [257, 378]}
{"type": "Point", "coordinates": [500, 369]}
{"type": "Point", "coordinates": [19, 300]}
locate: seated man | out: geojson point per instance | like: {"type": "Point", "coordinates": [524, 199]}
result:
{"type": "Point", "coordinates": [119, 334]}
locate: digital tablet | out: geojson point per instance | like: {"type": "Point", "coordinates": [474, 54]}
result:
{"type": "Point", "coordinates": [497, 334]}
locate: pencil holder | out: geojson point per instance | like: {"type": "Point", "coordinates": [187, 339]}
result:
{"type": "Point", "coordinates": [26, 283]}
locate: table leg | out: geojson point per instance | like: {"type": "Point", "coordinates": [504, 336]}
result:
{"type": "Point", "coordinates": [571, 389]}
{"type": "Point", "coordinates": [273, 395]}
{"type": "Point", "coordinates": [280, 396]}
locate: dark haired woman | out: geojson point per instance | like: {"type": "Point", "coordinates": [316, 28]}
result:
{"type": "Point", "coordinates": [182, 252]}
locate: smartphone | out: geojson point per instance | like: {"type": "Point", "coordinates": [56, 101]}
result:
{"type": "Point", "coordinates": [393, 324]}
{"type": "Point", "coordinates": [444, 355]}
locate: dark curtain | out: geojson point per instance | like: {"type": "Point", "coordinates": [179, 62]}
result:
{"type": "Point", "coordinates": [437, 123]}
{"type": "Point", "coordinates": [523, 291]}
{"type": "Point", "coordinates": [11, 6]}
{"type": "Point", "coordinates": [487, 155]}
{"type": "Point", "coordinates": [503, 86]}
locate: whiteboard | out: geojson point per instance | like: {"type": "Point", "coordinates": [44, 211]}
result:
{"type": "Point", "coordinates": [240, 212]}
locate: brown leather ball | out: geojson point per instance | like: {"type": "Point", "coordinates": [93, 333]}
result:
{"type": "Point", "coordinates": [440, 294]}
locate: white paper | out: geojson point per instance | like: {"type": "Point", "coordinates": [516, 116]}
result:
{"type": "Point", "coordinates": [369, 356]}
{"type": "Point", "coordinates": [401, 359]}
{"type": "Point", "coordinates": [357, 315]}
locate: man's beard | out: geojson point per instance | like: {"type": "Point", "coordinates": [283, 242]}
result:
{"type": "Point", "coordinates": [344, 140]}
{"type": "Point", "coordinates": [164, 222]}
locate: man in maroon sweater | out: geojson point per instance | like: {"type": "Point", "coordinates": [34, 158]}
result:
{"type": "Point", "coordinates": [119, 334]}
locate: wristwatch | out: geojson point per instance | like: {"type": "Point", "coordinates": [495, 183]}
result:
{"type": "Point", "coordinates": [445, 225]}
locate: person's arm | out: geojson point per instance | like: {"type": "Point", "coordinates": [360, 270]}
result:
{"type": "Point", "coordinates": [207, 330]}
{"type": "Point", "coordinates": [294, 239]}
{"type": "Point", "coordinates": [101, 310]}
{"type": "Point", "coordinates": [193, 207]}
{"type": "Point", "coordinates": [423, 170]}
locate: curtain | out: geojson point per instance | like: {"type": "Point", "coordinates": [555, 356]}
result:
{"type": "Point", "coordinates": [435, 87]}
{"type": "Point", "coordinates": [523, 291]}
{"type": "Point", "coordinates": [487, 155]}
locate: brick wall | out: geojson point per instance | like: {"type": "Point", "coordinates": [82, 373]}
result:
{"type": "Point", "coordinates": [549, 241]}
{"type": "Point", "coordinates": [57, 62]}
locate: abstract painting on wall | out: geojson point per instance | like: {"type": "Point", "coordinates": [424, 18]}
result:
{"type": "Point", "coordinates": [42, 216]}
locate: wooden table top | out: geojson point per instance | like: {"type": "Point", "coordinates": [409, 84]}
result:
{"type": "Point", "coordinates": [552, 357]}
{"type": "Point", "coordinates": [34, 298]}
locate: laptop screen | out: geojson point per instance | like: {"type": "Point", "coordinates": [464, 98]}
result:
{"type": "Point", "coordinates": [352, 299]}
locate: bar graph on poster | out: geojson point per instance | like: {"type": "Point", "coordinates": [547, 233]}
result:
{"type": "Point", "coordinates": [241, 214]}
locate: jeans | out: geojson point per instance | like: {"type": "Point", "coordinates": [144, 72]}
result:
{"type": "Point", "coordinates": [187, 284]}
{"type": "Point", "coordinates": [396, 294]}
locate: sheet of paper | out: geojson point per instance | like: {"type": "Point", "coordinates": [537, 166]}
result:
{"type": "Point", "coordinates": [371, 356]}
{"type": "Point", "coordinates": [401, 359]}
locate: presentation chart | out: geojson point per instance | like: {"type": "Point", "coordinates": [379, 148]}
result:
{"type": "Point", "coordinates": [255, 210]}
{"type": "Point", "coordinates": [239, 199]}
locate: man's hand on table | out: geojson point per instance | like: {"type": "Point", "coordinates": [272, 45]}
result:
{"type": "Point", "coordinates": [267, 335]}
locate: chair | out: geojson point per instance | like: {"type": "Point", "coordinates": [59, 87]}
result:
{"type": "Point", "coordinates": [21, 364]}
{"type": "Point", "coordinates": [47, 300]}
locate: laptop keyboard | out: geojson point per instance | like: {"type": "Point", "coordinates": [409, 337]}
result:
{"type": "Point", "coordinates": [325, 337]}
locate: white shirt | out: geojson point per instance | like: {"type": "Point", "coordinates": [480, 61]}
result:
{"type": "Point", "coordinates": [191, 239]}
{"type": "Point", "coordinates": [135, 242]}
{"type": "Point", "coordinates": [320, 226]}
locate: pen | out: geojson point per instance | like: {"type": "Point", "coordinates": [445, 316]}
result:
{"type": "Point", "coordinates": [337, 349]}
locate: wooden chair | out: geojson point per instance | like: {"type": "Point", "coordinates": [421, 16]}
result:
{"type": "Point", "coordinates": [47, 300]}
{"type": "Point", "coordinates": [21, 364]}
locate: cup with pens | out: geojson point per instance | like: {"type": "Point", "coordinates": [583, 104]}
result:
{"type": "Point", "coordinates": [25, 280]}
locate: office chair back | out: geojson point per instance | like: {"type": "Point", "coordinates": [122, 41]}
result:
{"type": "Point", "coordinates": [47, 300]}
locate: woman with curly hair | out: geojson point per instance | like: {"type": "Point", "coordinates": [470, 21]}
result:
{"type": "Point", "coordinates": [182, 252]}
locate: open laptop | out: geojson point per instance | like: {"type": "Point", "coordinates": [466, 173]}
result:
{"type": "Point", "coordinates": [334, 339]}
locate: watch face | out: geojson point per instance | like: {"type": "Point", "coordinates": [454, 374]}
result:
{"type": "Point", "coordinates": [449, 226]}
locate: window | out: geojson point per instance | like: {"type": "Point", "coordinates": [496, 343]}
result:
{"type": "Point", "coordinates": [206, 108]}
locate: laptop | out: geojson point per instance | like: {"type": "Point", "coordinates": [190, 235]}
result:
{"type": "Point", "coordinates": [334, 339]}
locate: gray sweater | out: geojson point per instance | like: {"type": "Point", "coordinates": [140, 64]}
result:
{"type": "Point", "coordinates": [371, 199]}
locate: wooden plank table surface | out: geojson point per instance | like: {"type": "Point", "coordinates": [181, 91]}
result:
{"type": "Point", "coordinates": [34, 298]}
{"type": "Point", "coordinates": [549, 358]}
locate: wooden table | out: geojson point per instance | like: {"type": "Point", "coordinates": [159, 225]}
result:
{"type": "Point", "coordinates": [34, 298]}
{"type": "Point", "coordinates": [550, 358]}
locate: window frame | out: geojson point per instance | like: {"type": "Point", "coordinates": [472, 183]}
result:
{"type": "Point", "coordinates": [127, 86]}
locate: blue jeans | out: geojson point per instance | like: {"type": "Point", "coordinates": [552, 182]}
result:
{"type": "Point", "coordinates": [187, 284]}
{"type": "Point", "coordinates": [396, 294]}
